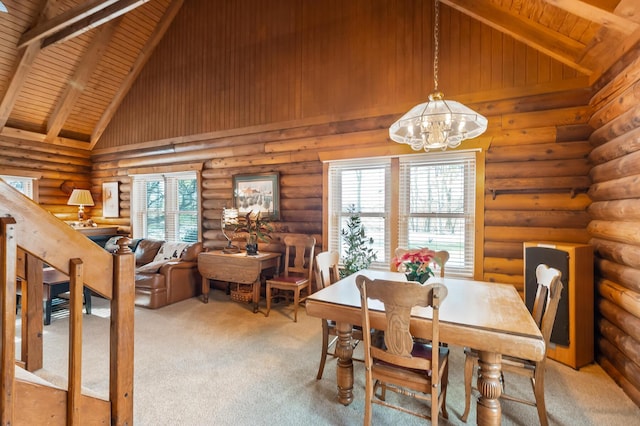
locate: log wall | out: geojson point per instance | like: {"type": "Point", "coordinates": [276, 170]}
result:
{"type": "Point", "coordinates": [57, 170]}
{"type": "Point", "coordinates": [615, 226]}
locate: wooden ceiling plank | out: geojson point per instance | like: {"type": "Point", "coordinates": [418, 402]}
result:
{"type": "Point", "coordinates": [78, 82]}
{"type": "Point", "coordinates": [25, 62]}
{"type": "Point", "coordinates": [63, 20]}
{"type": "Point", "coordinates": [93, 21]}
{"type": "Point", "coordinates": [539, 37]}
{"type": "Point", "coordinates": [136, 68]}
{"type": "Point", "coordinates": [595, 14]}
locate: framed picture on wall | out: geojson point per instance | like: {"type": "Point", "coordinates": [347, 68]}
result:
{"type": "Point", "coordinates": [110, 199]}
{"type": "Point", "coordinates": [257, 193]}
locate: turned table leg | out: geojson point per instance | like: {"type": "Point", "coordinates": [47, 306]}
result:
{"type": "Point", "coordinates": [256, 295]}
{"type": "Point", "coordinates": [489, 411]}
{"type": "Point", "coordinates": [344, 369]}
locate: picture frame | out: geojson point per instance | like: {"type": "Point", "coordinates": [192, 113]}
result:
{"type": "Point", "coordinates": [110, 199]}
{"type": "Point", "coordinates": [257, 192]}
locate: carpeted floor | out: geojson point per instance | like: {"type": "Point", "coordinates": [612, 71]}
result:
{"type": "Point", "coordinates": [220, 364]}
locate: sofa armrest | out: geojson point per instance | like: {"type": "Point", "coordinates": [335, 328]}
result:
{"type": "Point", "coordinates": [168, 267]}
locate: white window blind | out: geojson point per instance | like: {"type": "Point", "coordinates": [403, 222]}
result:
{"type": "Point", "coordinates": [165, 206]}
{"type": "Point", "coordinates": [437, 206]}
{"type": "Point", "coordinates": [22, 184]}
{"type": "Point", "coordinates": [364, 186]}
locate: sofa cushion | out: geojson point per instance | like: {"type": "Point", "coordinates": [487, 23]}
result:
{"type": "Point", "coordinates": [170, 250]}
{"type": "Point", "coordinates": [147, 250]}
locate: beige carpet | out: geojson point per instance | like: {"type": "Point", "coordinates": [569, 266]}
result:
{"type": "Point", "coordinates": [220, 364]}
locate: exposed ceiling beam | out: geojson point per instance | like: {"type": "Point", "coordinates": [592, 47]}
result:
{"type": "Point", "coordinates": [78, 82]}
{"type": "Point", "coordinates": [63, 20]}
{"type": "Point", "coordinates": [93, 21]}
{"type": "Point", "coordinates": [40, 137]}
{"type": "Point", "coordinates": [539, 37]}
{"type": "Point", "coordinates": [24, 62]}
{"type": "Point", "coordinates": [595, 14]}
{"type": "Point", "coordinates": [136, 68]}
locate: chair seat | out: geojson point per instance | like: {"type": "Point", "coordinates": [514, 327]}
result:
{"type": "Point", "coordinates": [289, 280]}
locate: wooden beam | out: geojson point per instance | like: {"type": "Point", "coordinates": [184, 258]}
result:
{"type": "Point", "coordinates": [136, 68]}
{"type": "Point", "coordinates": [93, 21]}
{"type": "Point", "coordinates": [39, 137]}
{"type": "Point", "coordinates": [595, 14]}
{"type": "Point", "coordinates": [78, 82]}
{"type": "Point", "coordinates": [539, 37]}
{"type": "Point", "coordinates": [63, 20]}
{"type": "Point", "coordinates": [24, 62]}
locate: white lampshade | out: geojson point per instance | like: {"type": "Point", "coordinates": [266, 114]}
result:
{"type": "Point", "coordinates": [80, 197]}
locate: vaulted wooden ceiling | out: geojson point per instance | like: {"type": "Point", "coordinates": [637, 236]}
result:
{"type": "Point", "coordinates": [66, 65]}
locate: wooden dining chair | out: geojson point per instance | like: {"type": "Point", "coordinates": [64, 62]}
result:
{"type": "Point", "coordinates": [326, 273]}
{"type": "Point", "coordinates": [395, 361]}
{"type": "Point", "coordinates": [544, 314]}
{"type": "Point", "coordinates": [298, 270]}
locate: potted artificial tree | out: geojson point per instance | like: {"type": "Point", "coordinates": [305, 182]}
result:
{"type": "Point", "coordinates": [358, 251]}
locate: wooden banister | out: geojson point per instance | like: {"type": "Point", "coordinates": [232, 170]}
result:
{"type": "Point", "coordinates": [48, 237]}
{"type": "Point", "coordinates": [26, 226]}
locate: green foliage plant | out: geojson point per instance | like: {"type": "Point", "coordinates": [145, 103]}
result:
{"type": "Point", "coordinates": [358, 251]}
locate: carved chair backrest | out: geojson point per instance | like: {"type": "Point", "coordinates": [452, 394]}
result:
{"type": "Point", "coordinates": [301, 247]}
{"type": "Point", "coordinates": [399, 297]}
{"type": "Point", "coordinates": [326, 270]}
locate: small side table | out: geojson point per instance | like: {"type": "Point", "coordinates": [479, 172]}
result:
{"type": "Point", "coordinates": [236, 268]}
{"type": "Point", "coordinates": [54, 283]}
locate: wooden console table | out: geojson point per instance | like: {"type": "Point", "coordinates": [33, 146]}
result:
{"type": "Point", "coordinates": [236, 268]}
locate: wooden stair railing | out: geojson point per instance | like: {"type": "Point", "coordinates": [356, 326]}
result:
{"type": "Point", "coordinates": [29, 236]}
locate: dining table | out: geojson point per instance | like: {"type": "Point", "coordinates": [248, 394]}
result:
{"type": "Point", "coordinates": [489, 317]}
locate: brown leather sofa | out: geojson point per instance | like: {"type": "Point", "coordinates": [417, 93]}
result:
{"type": "Point", "coordinates": [162, 282]}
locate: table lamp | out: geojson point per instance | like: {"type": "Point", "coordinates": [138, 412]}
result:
{"type": "Point", "coordinates": [229, 218]}
{"type": "Point", "coordinates": [80, 198]}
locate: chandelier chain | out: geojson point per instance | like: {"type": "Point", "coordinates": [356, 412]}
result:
{"type": "Point", "coordinates": [436, 49]}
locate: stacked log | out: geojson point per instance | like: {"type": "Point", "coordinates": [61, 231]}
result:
{"type": "Point", "coordinates": [614, 227]}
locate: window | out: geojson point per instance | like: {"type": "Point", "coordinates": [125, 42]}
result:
{"type": "Point", "coordinates": [22, 184]}
{"type": "Point", "coordinates": [363, 186]}
{"type": "Point", "coordinates": [165, 207]}
{"type": "Point", "coordinates": [435, 204]}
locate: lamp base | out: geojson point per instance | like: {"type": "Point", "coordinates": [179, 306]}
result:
{"type": "Point", "coordinates": [230, 249]}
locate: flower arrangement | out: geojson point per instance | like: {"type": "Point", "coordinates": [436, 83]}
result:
{"type": "Point", "coordinates": [257, 229]}
{"type": "Point", "coordinates": [415, 263]}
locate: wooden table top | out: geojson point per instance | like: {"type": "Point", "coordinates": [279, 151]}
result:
{"type": "Point", "coordinates": [485, 316]}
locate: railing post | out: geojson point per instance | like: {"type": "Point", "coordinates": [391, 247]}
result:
{"type": "Point", "coordinates": [32, 326]}
{"type": "Point", "coordinates": [8, 260]}
{"type": "Point", "coordinates": [74, 388]}
{"type": "Point", "coordinates": [121, 360]}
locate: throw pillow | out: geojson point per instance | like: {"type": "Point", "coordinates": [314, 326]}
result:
{"type": "Point", "coordinates": [170, 250]}
{"type": "Point", "coordinates": [112, 244]}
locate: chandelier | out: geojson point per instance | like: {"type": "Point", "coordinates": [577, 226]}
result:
{"type": "Point", "coordinates": [437, 123]}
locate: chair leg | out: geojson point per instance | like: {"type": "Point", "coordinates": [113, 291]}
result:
{"type": "Point", "coordinates": [296, 301]}
{"type": "Point", "coordinates": [87, 300]}
{"type": "Point", "coordinates": [325, 348]}
{"type": "Point", "coordinates": [268, 297]}
{"type": "Point", "coordinates": [538, 389]}
{"type": "Point", "coordinates": [443, 391]}
{"type": "Point", "coordinates": [469, 364]}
